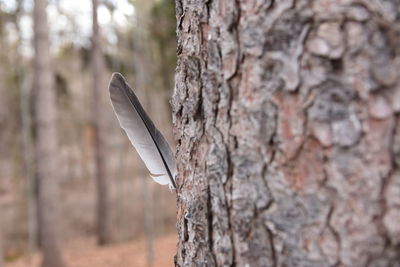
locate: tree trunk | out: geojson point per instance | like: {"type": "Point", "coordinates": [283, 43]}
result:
{"type": "Point", "coordinates": [1, 250]}
{"type": "Point", "coordinates": [46, 146]}
{"type": "Point", "coordinates": [2, 57]}
{"type": "Point", "coordinates": [27, 147]}
{"type": "Point", "coordinates": [28, 160]}
{"type": "Point", "coordinates": [104, 223]}
{"type": "Point", "coordinates": [286, 116]}
{"type": "Point", "coordinates": [144, 82]}
{"type": "Point", "coordinates": [148, 220]}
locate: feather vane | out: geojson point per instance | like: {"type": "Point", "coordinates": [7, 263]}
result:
{"type": "Point", "coordinates": [148, 141]}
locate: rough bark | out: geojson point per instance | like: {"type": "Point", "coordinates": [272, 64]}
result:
{"type": "Point", "coordinates": [104, 224]}
{"type": "Point", "coordinates": [286, 115]}
{"type": "Point", "coordinates": [46, 142]}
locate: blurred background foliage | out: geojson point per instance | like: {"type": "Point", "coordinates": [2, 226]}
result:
{"type": "Point", "coordinates": [138, 36]}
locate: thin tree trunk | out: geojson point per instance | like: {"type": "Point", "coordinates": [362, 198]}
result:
{"type": "Point", "coordinates": [46, 146]}
{"type": "Point", "coordinates": [286, 116]}
{"type": "Point", "coordinates": [148, 220]}
{"type": "Point", "coordinates": [28, 152]}
{"type": "Point", "coordinates": [104, 223]}
{"type": "Point", "coordinates": [143, 83]}
{"type": "Point", "coordinates": [24, 83]}
{"type": "Point", "coordinates": [1, 90]}
{"type": "Point", "coordinates": [1, 250]}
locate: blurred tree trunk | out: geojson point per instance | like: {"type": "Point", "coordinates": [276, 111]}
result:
{"type": "Point", "coordinates": [46, 142]}
{"type": "Point", "coordinates": [104, 225]}
{"type": "Point", "coordinates": [27, 142]}
{"type": "Point", "coordinates": [1, 250]}
{"type": "Point", "coordinates": [144, 82]}
{"type": "Point", "coordinates": [28, 158]}
{"type": "Point", "coordinates": [162, 32]}
{"type": "Point", "coordinates": [148, 219]}
{"type": "Point", "coordinates": [286, 116]}
{"type": "Point", "coordinates": [1, 116]}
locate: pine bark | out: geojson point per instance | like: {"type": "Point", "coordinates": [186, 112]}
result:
{"type": "Point", "coordinates": [46, 142]}
{"type": "Point", "coordinates": [104, 224]}
{"type": "Point", "coordinates": [286, 115]}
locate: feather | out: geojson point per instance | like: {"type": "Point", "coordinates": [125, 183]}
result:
{"type": "Point", "coordinates": [144, 136]}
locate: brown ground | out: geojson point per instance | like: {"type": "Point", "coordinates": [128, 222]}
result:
{"type": "Point", "coordinates": [85, 253]}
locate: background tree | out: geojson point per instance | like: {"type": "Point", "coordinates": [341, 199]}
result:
{"type": "Point", "coordinates": [24, 83]}
{"type": "Point", "coordinates": [99, 81]}
{"type": "Point", "coordinates": [286, 116]}
{"type": "Point", "coordinates": [46, 142]}
{"type": "Point", "coordinates": [149, 62]}
{"type": "Point", "coordinates": [1, 76]}
{"type": "Point", "coordinates": [1, 251]}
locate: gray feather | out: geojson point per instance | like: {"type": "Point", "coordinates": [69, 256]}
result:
{"type": "Point", "coordinates": [144, 136]}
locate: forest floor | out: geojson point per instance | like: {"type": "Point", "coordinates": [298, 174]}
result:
{"type": "Point", "coordinates": [85, 253]}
